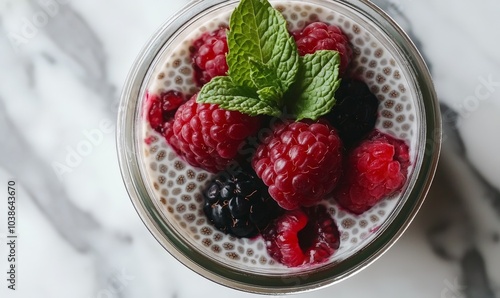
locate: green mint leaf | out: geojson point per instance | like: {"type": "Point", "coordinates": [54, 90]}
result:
{"type": "Point", "coordinates": [258, 32]}
{"type": "Point", "coordinates": [268, 85]}
{"type": "Point", "coordinates": [286, 60]}
{"type": "Point", "coordinates": [314, 93]}
{"type": "Point", "coordinates": [262, 75]}
{"type": "Point", "coordinates": [271, 95]}
{"type": "Point", "coordinates": [222, 91]}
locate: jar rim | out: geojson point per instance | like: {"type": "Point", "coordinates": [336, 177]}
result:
{"type": "Point", "coordinates": [129, 161]}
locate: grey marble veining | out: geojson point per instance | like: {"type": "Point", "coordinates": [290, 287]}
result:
{"type": "Point", "coordinates": [39, 176]}
{"type": "Point", "coordinates": [476, 280]}
{"type": "Point", "coordinates": [79, 228]}
{"type": "Point", "coordinates": [454, 237]}
{"type": "Point", "coordinates": [76, 226]}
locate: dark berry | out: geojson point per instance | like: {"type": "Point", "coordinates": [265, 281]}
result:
{"type": "Point", "coordinates": [321, 36]}
{"type": "Point", "coordinates": [355, 112]}
{"type": "Point", "coordinates": [375, 169]}
{"type": "Point", "coordinates": [301, 162]}
{"type": "Point", "coordinates": [302, 236]}
{"type": "Point", "coordinates": [210, 137]}
{"type": "Point", "coordinates": [208, 54]}
{"type": "Point", "coordinates": [239, 204]}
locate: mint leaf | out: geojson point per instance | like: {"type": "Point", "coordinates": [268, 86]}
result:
{"type": "Point", "coordinates": [258, 32]}
{"type": "Point", "coordinates": [271, 95]}
{"type": "Point", "coordinates": [263, 62]}
{"type": "Point", "coordinates": [318, 79]}
{"type": "Point", "coordinates": [268, 85]}
{"type": "Point", "coordinates": [286, 59]}
{"type": "Point", "coordinates": [262, 75]}
{"type": "Point", "coordinates": [222, 91]}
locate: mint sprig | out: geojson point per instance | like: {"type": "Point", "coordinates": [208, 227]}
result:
{"type": "Point", "coordinates": [222, 91]}
{"type": "Point", "coordinates": [264, 65]}
{"type": "Point", "coordinates": [258, 33]}
{"type": "Point", "coordinates": [314, 94]}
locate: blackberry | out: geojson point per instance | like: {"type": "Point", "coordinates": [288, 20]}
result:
{"type": "Point", "coordinates": [355, 113]}
{"type": "Point", "coordinates": [239, 204]}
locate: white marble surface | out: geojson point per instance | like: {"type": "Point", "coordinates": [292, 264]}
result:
{"type": "Point", "coordinates": [62, 65]}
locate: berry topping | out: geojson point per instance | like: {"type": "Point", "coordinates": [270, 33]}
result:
{"type": "Point", "coordinates": [239, 204]}
{"type": "Point", "coordinates": [208, 54]}
{"type": "Point", "coordinates": [300, 162]}
{"type": "Point", "coordinates": [375, 169]}
{"type": "Point", "coordinates": [321, 36]}
{"type": "Point", "coordinates": [210, 137]}
{"type": "Point", "coordinates": [355, 112]}
{"type": "Point", "coordinates": [299, 237]}
{"type": "Point", "coordinates": [161, 111]}
{"type": "Point", "coordinates": [162, 107]}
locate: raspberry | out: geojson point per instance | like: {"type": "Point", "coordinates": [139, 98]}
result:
{"type": "Point", "coordinates": [208, 54]}
{"type": "Point", "coordinates": [160, 113]}
{"type": "Point", "coordinates": [299, 237]}
{"type": "Point", "coordinates": [301, 162]}
{"type": "Point", "coordinates": [161, 108]}
{"type": "Point", "coordinates": [210, 137]}
{"type": "Point", "coordinates": [355, 112]}
{"type": "Point", "coordinates": [375, 169]}
{"type": "Point", "coordinates": [239, 204]}
{"type": "Point", "coordinates": [168, 133]}
{"type": "Point", "coordinates": [321, 36]}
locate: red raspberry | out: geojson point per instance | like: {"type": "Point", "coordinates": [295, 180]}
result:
{"type": "Point", "coordinates": [300, 237]}
{"type": "Point", "coordinates": [168, 133]}
{"type": "Point", "coordinates": [208, 54]}
{"type": "Point", "coordinates": [161, 108]}
{"type": "Point", "coordinates": [321, 36]}
{"type": "Point", "coordinates": [210, 137]}
{"type": "Point", "coordinates": [375, 169]}
{"type": "Point", "coordinates": [160, 113]}
{"type": "Point", "coordinates": [301, 162]}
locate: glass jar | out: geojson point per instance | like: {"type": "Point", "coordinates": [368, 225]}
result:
{"type": "Point", "coordinates": [385, 59]}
